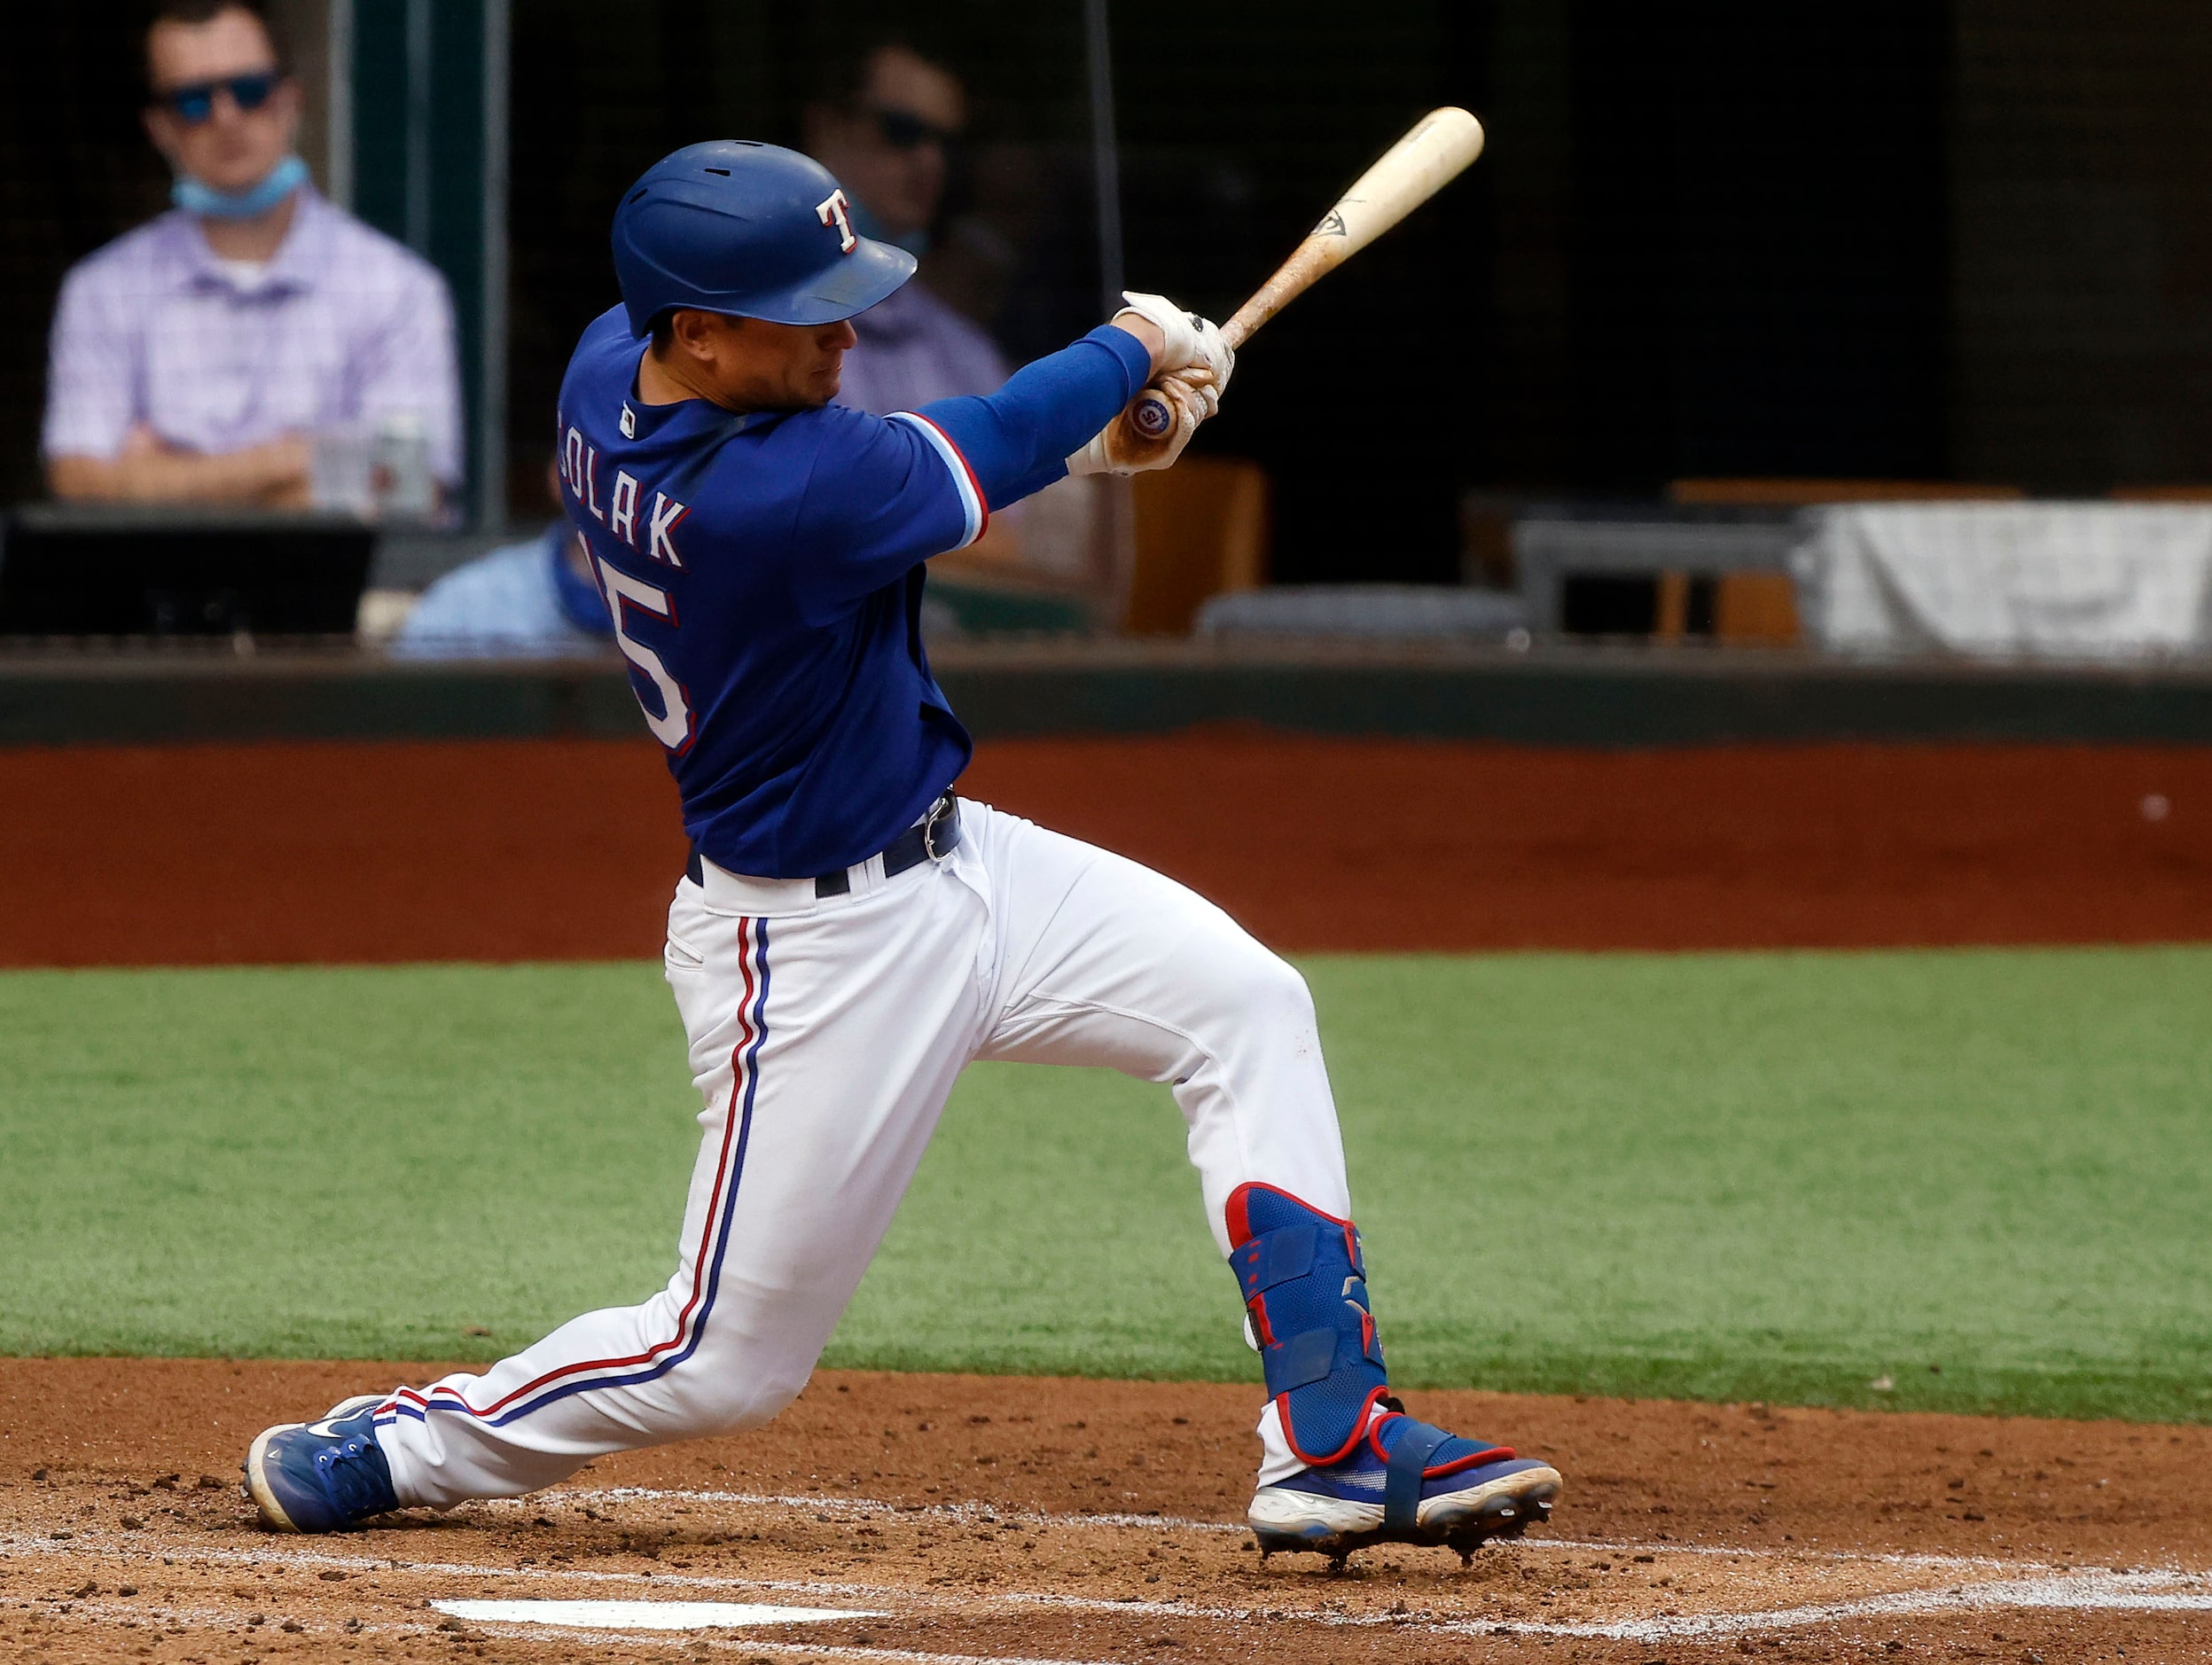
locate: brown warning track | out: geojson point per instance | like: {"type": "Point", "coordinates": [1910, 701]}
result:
{"type": "Point", "coordinates": [1074, 1521]}
{"type": "Point", "coordinates": [333, 851]}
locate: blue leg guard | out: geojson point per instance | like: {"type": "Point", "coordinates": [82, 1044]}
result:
{"type": "Point", "coordinates": [1305, 1289]}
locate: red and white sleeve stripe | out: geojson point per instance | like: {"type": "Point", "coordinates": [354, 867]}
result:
{"type": "Point", "coordinates": [977, 512]}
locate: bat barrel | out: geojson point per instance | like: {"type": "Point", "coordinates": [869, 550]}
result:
{"type": "Point", "coordinates": [1433, 152]}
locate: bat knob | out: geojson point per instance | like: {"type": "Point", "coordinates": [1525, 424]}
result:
{"type": "Point", "coordinates": [1152, 415]}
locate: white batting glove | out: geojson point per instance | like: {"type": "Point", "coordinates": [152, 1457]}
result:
{"type": "Point", "coordinates": [1116, 448]}
{"type": "Point", "coordinates": [1191, 340]}
{"type": "Point", "coordinates": [1202, 384]}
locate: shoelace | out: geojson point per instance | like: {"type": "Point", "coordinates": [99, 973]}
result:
{"type": "Point", "coordinates": [355, 1474]}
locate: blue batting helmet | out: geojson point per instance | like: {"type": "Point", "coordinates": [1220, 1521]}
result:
{"type": "Point", "coordinates": [751, 230]}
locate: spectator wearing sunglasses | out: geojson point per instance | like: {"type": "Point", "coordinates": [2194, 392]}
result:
{"type": "Point", "coordinates": [885, 131]}
{"type": "Point", "coordinates": [193, 360]}
{"type": "Point", "coordinates": [885, 127]}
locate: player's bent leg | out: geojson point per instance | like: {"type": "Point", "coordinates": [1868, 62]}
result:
{"type": "Point", "coordinates": [822, 1068]}
{"type": "Point", "coordinates": [1114, 964]}
{"type": "Point", "coordinates": [1104, 963]}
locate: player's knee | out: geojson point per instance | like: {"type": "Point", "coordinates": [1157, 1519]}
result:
{"type": "Point", "coordinates": [1264, 987]}
{"type": "Point", "coordinates": [729, 1401]}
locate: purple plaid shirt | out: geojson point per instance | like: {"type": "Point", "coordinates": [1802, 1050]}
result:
{"type": "Point", "coordinates": [343, 326]}
{"type": "Point", "coordinates": [914, 348]}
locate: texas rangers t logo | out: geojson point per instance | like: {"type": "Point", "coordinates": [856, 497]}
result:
{"type": "Point", "coordinates": [832, 210]}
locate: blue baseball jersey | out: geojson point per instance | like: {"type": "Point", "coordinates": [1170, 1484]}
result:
{"type": "Point", "coordinates": [764, 572]}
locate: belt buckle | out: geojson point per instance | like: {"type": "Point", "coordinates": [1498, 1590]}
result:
{"type": "Point", "coordinates": [938, 812]}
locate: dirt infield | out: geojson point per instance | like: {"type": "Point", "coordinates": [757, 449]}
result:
{"type": "Point", "coordinates": [938, 1518]}
{"type": "Point", "coordinates": [556, 850]}
{"type": "Point", "coordinates": [923, 1518]}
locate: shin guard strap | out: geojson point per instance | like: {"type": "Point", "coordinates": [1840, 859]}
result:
{"type": "Point", "coordinates": [1300, 1362]}
{"type": "Point", "coordinates": [1274, 1257]}
{"type": "Point", "coordinates": [1416, 1441]}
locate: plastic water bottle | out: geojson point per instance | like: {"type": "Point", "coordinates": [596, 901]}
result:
{"type": "Point", "coordinates": [343, 473]}
{"type": "Point", "coordinates": [405, 490]}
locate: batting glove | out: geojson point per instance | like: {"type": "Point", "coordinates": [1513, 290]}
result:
{"type": "Point", "coordinates": [1118, 448]}
{"type": "Point", "coordinates": [1192, 341]}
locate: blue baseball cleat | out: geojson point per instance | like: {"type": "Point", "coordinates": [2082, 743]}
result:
{"type": "Point", "coordinates": [321, 1476]}
{"type": "Point", "coordinates": [1372, 1474]}
{"type": "Point", "coordinates": [1405, 1483]}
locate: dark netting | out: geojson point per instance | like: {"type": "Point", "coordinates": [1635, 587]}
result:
{"type": "Point", "coordinates": [1910, 244]}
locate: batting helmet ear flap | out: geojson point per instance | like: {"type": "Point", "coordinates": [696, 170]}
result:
{"type": "Point", "coordinates": [750, 230]}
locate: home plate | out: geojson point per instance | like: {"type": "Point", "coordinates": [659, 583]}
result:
{"type": "Point", "coordinates": [643, 1615]}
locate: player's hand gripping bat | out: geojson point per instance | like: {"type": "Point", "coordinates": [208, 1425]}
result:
{"type": "Point", "coordinates": [1434, 151]}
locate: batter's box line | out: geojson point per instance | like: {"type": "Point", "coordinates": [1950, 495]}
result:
{"type": "Point", "coordinates": [690, 1640]}
{"type": "Point", "coordinates": [975, 1513]}
{"type": "Point", "coordinates": [916, 1603]}
{"type": "Point", "coordinates": [2077, 1592]}
{"type": "Point", "coordinates": [871, 1508]}
{"type": "Point", "coordinates": [234, 1618]}
{"type": "Point", "coordinates": [94, 1545]}
{"type": "Point", "coordinates": [2135, 1592]}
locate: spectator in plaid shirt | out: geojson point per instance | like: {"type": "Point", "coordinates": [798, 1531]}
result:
{"type": "Point", "coordinates": [194, 358]}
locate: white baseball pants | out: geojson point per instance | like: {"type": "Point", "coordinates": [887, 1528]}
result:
{"type": "Point", "coordinates": [826, 1033]}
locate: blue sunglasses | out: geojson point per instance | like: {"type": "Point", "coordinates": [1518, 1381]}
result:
{"type": "Point", "coordinates": [195, 102]}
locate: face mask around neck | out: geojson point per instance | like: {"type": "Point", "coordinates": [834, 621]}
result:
{"type": "Point", "coordinates": [195, 198]}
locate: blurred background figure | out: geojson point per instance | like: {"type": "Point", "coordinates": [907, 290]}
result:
{"type": "Point", "coordinates": [535, 600]}
{"type": "Point", "coordinates": [886, 126]}
{"type": "Point", "coordinates": [203, 356]}
{"type": "Point", "coordinates": [886, 130]}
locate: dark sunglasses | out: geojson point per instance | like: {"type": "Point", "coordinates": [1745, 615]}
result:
{"type": "Point", "coordinates": [903, 130]}
{"type": "Point", "coordinates": [195, 102]}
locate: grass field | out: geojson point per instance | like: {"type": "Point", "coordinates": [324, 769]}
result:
{"type": "Point", "coordinates": [1983, 1176]}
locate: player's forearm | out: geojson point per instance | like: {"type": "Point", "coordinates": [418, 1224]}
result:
{"type": "Point", "coordinates": [1016, 439]}
{"type": "Point", "coordinates": [274, 474]}
{"type": "Point", "coordinates": [1149, 335]}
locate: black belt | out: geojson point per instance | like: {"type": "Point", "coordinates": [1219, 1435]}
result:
{"type": "Point", "coordinates": [935, 838]}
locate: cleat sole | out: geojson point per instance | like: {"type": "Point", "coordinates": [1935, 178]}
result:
{"type": "Point", "coordinates": [1502, 1514]}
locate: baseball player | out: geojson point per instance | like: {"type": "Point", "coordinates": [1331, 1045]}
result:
{"type": "Point", "coordinates": [849, 934]}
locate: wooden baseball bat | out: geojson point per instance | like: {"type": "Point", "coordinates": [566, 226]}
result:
{"type": "Point", "coordinates": [1434, 151]}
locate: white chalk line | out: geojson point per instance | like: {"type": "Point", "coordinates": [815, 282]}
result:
{"type": "Point", "coordinates": [754, 1645]}
{"type": "Point", "coordinates": [151, 1616]}
{"type": "Point", "coordinates": [641, 1615]}
{"type": "Point", "coordinates": [620, 1622]}
{"type": "Point", "coordinates": [151, 1620]}
{"type": "Point", "coordinates": [871, 1508]}
{"type": "Point", "coordinates": [2130, 1592]}
{"type": "Point", "coordinates": [920, 1602]}
{"type": "Point", "coordinates": [975, 1514]}
{"type": "Point", "coordinates": [2072, 1589]}
{"type": "Point", "coordinates": [2078, 1592]}
{"type": "Point", "coordinates": [287, 1556]}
